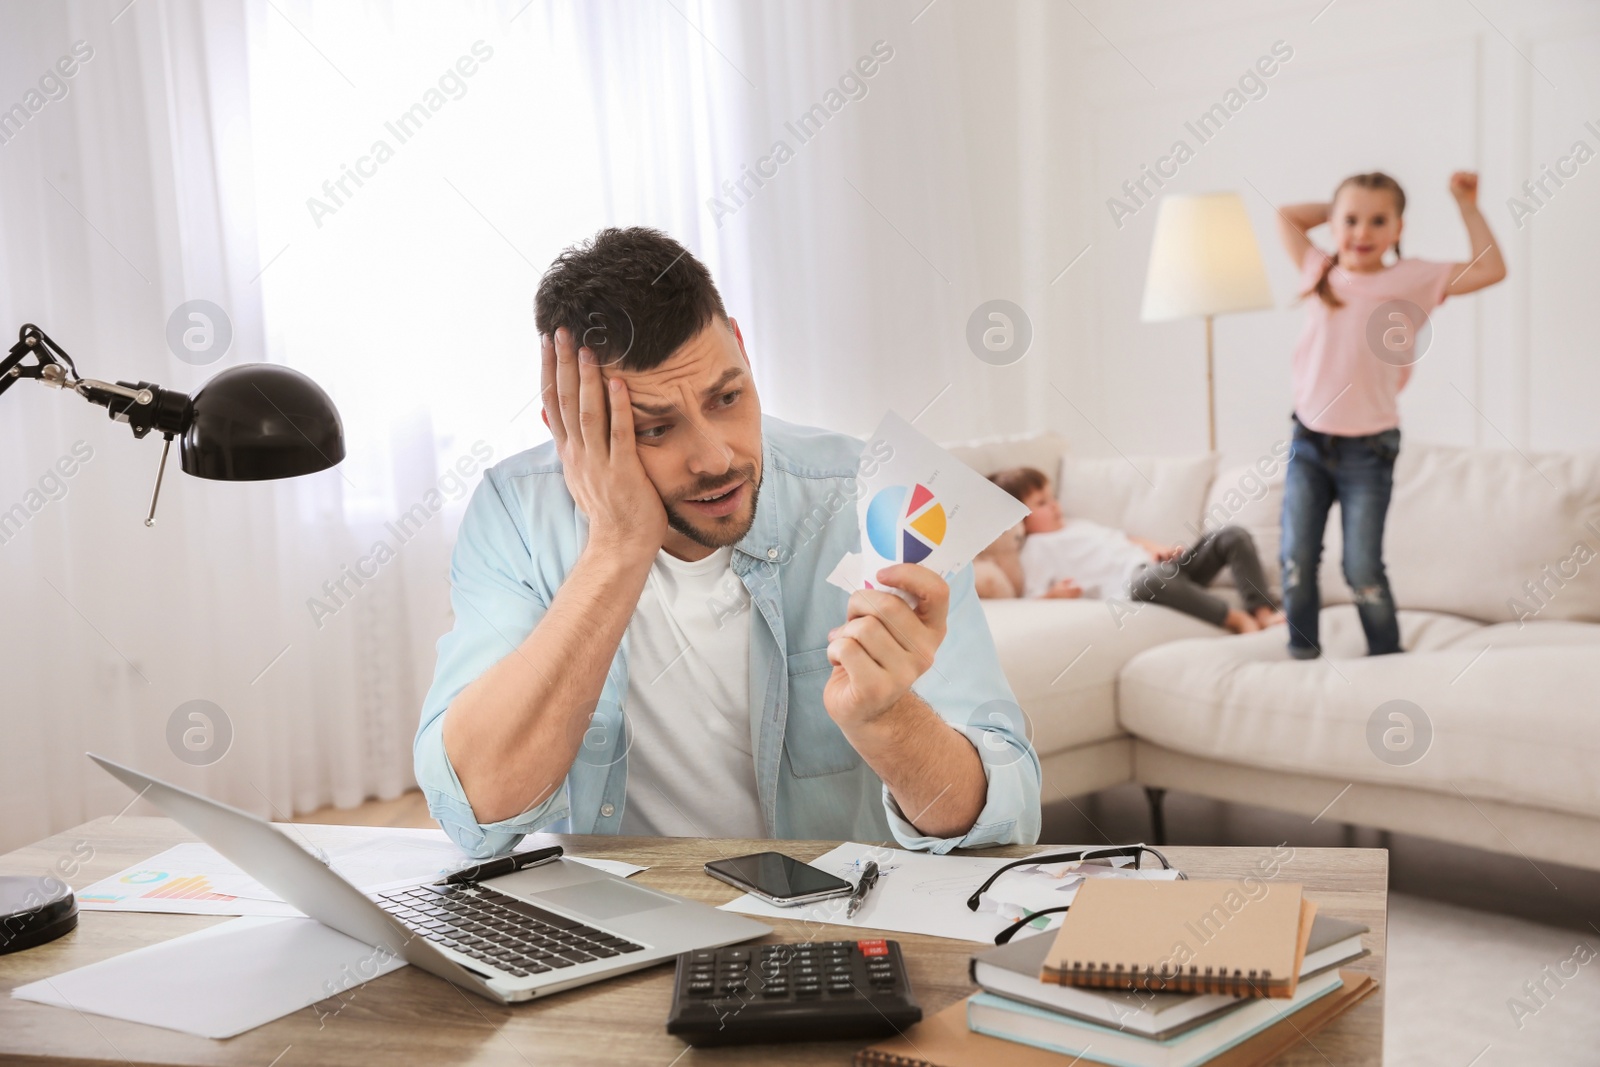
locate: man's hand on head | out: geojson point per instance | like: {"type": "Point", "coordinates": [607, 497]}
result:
{"type": "Point", "coordinates": [885, 644]}
{"type": "Point", "coordinates": [591, 420]}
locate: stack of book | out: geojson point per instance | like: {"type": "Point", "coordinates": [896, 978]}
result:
{"type": "Point", "coordinates": [1151, 974]}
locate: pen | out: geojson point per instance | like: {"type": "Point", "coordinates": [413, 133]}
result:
{"type": "Point", "coordinates": [504, 865]}
{"type": "Point", "coordinates": [868, 879]}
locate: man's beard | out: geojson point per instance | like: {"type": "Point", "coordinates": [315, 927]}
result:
{"type": "Point", "coordinates": [725, 530]}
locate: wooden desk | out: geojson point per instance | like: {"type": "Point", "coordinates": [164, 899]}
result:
{"type": "Point", "coordinates": [412, 1017]}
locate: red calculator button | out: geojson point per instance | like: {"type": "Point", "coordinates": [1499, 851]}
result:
{"type": "Point", "coordinates": [873, 948]}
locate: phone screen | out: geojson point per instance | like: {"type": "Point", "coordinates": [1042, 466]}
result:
{"type": "Point", "coordinates": [780, 876]}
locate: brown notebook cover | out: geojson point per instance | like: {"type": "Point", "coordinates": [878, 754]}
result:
{"type": "Point", "coordinates": [1227, 937]}
{"type": "Point", "coordinates": [943, 1040]}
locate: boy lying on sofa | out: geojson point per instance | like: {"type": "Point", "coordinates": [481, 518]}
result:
{"type": "Point", "coordinates": [1046, 555]}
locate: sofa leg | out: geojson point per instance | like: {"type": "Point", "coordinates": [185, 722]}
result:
{"type": "Point", "coordinates": [1158, 823]}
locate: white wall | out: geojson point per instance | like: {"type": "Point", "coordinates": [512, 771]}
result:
{"type": "Point", "coordinates": [1417, 89]}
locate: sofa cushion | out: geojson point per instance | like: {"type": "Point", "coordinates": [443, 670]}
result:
{"type": "Point", "coordinates": [989, 454]}
{"type": "Point", "coordinates": [1062, 658]}
{"type": "Point", "coordinates": [1510, 709]}
{"type": "Point", "coordinates": [1250, 497]}
{"type": "Point", "coordinates": [1470, 528]}
{"type": "Point", "coordinates": [1155, 497]}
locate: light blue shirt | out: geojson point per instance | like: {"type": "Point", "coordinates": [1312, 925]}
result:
{"type": "Point", "coordinates": [520, 538]}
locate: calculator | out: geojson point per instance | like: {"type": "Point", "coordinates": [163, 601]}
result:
{"type": "Point", "coordinates": [810, 991]}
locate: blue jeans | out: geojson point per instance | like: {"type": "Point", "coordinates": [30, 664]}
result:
{"type": "Point", "coordinates": [1359, 473]}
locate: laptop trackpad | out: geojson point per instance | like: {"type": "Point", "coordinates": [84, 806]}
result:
{"type": "Point", "coordinates": [605, 899]}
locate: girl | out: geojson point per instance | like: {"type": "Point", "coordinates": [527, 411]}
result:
{"type": "Point", "coordinates": [1354, 356]}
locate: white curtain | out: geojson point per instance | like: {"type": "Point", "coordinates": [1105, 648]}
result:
{"type": "Point", "coordinates": [370, 192]}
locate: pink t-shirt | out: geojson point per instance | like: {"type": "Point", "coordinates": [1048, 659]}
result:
{"type": "Point", "coordinates": [1351, 362]}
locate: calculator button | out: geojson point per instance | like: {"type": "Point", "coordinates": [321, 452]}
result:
{"type": "Point", "coordinates": [874, 948]}
{"type": "Point", "coordinates": [735, 954]}
{"type": "Point", "coordinates": [702, 957]}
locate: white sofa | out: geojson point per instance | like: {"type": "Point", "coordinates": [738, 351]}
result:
{"type": "Point", "coordinates": [1485, 732]}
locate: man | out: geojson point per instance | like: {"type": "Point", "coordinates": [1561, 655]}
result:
{"type": "Point", "coordinates": [644, 641]}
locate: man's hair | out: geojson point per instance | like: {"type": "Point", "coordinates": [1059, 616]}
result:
{"type": "Point", "coordinates": [1020, 482]}
{"type": "Point", "coordinates": [632, 296]}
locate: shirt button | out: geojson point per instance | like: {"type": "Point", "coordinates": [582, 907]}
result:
{"type": "Point", "coordinates": [772, 553]}
{"type": "Point", "coordinates": [608, 810]}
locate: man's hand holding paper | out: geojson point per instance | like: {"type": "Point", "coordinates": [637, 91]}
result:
{"type": "Point", "coordinates": [885, 645]}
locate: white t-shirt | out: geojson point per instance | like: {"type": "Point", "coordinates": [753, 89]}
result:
{"type": "Point", "coordinates": [1101, 560]}
{"type": "Point", "coordinates": [691, 768]}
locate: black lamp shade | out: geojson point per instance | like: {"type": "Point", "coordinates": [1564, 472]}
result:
{"type": "Point", "coordinates": [258, 421]}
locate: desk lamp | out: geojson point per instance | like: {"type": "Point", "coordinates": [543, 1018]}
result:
{"type": "Point", "coordinates": [249, 423]}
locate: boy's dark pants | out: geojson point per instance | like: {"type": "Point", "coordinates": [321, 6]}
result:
{"type": "Point", "coordinates": [1180, 583]}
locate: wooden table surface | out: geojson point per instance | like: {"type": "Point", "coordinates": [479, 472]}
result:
{"type": "Point", "coordinates": [412, 1017]}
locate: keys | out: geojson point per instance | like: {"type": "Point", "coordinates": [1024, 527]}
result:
{"type": "Point", "coordinates": [518, 938]}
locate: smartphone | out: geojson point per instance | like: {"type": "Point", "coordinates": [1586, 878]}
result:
{"type": "Point", "coordinates": [779, 879]}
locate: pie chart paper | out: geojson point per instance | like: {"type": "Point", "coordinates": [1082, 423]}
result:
{"type": "Point", "coordinates": [921, 505]}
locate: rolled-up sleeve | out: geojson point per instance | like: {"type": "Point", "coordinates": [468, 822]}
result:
{"type": "Point", "coordinates": [495, 608]}
{"type": "Point", "coordinates": [967, 688]}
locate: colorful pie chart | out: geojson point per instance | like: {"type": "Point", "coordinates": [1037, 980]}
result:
{"type": "Point", "coordinates": [905, 523]}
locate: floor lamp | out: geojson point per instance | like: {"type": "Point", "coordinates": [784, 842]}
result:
{"type": "Point", "coordinates": [1204, 262]}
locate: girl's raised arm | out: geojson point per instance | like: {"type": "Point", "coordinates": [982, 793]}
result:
{"type": "Point", "coordinates": [1293, 222]}
{"type": "Point", "coordinates": [1487, 265]}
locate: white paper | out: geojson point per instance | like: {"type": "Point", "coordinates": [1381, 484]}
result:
{"type": "Point", "coordinates": [193, 879]}
{"type": "Point", "coordinates": [223, 980]}
{"type": "Point", "coordinates": [921, 505]}
{"type": "Point", "coordinates": [187, 879]}
{"type": "Point", "coordinates": [616, 867]}
{"type": "Point", "coordinates": [920, 893]}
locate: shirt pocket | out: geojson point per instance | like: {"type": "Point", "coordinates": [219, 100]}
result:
{"type": "Point", "coordinates": [815, 744]}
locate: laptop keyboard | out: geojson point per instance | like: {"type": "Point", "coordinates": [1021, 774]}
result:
{"type": "Point", "coordinates": [509, 934]}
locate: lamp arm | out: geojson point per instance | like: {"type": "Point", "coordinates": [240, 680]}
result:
{"type": "Point", "coordinates": [52, 365]}
{"type": "Point", "coordinates": [144, 406]}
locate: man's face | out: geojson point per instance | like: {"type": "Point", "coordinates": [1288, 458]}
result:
{"type": "Point", "coordinates": [697, 422]}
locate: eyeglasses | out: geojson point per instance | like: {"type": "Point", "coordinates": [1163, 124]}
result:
{"type": "Point", "coordinates": [1082, 855]}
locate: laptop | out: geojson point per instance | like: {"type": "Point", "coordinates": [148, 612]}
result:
{"type": "Point", "coordinates": [522, 935]}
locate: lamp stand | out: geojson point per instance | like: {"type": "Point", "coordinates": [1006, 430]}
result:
{"type": "Point", "coordinates": [1211, 392]}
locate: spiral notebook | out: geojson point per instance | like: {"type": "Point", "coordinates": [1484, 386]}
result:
{"type": "Point", "coordinates": [1240, 938]}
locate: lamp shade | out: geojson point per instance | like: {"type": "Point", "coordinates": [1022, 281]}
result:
{"type": "Point", "coordinates": [258, 421]}
{"type": "Point", "coordinates": [1204, 260]}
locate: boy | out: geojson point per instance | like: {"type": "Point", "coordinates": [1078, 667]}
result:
{"type": "Point", "coordinates": [1078, 558]}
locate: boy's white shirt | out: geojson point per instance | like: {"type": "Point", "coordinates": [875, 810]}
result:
{"type": "Point", "coordinates": [1100, 559]}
